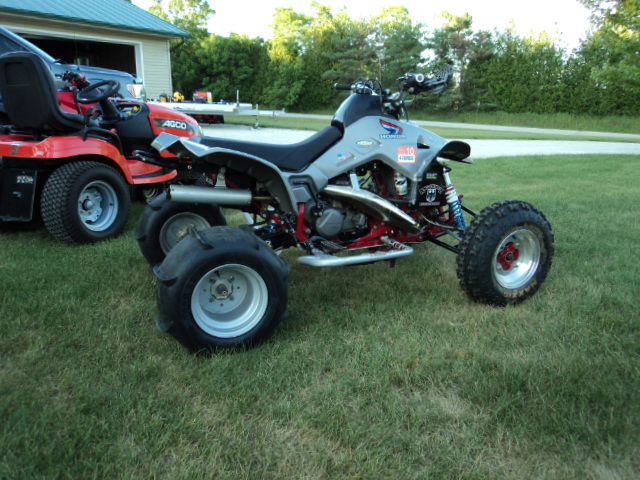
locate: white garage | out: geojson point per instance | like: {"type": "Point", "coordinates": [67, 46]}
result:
{"type": "Point", "coordinates": [102, 33]}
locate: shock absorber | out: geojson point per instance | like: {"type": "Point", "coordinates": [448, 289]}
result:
{"type": "Point", "coordinates": [455, 208]}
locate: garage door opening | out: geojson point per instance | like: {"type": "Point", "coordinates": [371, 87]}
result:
{"type": "Point", "coordinates": [85, 52]}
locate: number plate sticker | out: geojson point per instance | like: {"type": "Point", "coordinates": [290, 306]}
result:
{"type": "Point", "coordinates": [407, 154]}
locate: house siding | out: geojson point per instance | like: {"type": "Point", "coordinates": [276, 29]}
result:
{"type": "Point", "coordinates": [156, 64]}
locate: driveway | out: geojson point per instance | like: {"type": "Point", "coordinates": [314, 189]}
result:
{"type": "Point", "coordinates": [479, 148]}
{"type": "Point", "coordinates": [506, 148]}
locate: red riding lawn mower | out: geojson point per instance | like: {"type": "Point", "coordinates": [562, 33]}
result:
{"type": "Point", "coordinates": [69, 155]}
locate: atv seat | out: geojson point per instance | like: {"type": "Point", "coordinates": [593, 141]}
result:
{"type": "Point", "coordinates": [31, 99]}
{"type": "Point", "coordinates": [289, 157]}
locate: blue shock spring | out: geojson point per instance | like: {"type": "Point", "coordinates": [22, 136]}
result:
{"type": "Point", "coordinates": [456, 212]}
{"type": "Point", "coordinates": [455, 207]}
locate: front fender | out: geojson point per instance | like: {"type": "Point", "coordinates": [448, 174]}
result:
{"type": "Point", "coordinates": [457, 151]}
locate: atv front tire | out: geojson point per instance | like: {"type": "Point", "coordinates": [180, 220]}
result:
{"type": "Point", "coordinates": [164, 223]}
{"type": "Point", "coordinates": [505, 254]}
{"type": "Point", "coordinates": [221, 288]}
{"type": "Point", "coordinates": [85, 202]}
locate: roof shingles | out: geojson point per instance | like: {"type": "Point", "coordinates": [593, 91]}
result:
{"type": "Point", "coordinates": [109, 13]}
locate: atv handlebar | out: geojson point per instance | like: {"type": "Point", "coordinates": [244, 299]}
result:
{"type": "Point", "coordinates": [412, 83]}
{"type": "Point", "coordinates": [418, 83]}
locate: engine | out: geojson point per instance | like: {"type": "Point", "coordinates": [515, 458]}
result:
{"type": "Point", "coordinates": [378, 191]}
{"type": "Point", "coordinates": [334, 220]}
{"type": "Point", "coordinates": [344, 213]}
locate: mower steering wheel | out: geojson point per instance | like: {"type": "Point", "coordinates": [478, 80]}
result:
{"type": "Point", "coordinates": [83, 95]}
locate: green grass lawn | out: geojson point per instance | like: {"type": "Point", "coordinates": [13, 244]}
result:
{"type": "Point", "coordinates": [378, 373]}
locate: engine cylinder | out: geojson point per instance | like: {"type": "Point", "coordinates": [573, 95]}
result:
{"type": "Point", "coordinates": [329, 225]}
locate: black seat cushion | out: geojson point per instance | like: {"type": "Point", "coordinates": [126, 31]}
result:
{"type": "Point", "coordinates": [30, 96]}
{"type": "Point", "coordinates": [291, 157]}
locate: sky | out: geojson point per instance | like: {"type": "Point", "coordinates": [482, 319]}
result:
{"type": "Point", "coordinates": [566, 20]}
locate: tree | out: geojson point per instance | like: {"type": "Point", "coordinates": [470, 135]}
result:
{"type": "Point", "coordinates": [522, 74]}
{"type": "Point", "coordinates": [618, 33]}
{"type": "Point", "coordinates": [288, 27]}
{"type": "Point", "coordinates": [192, 17]}
{"type": "Point", "coordinates": [309, 53]}
{"type": "Point", "coordinates": [304, 56]}
{"type": "Point", "coordinates": [189, 15]}
{"type": "Point", "coordinates": [353, 55]}
{"type": "Point", "coordinates": [232, 64]}
{"type": "Point", "coordinates": [285, 83]}
{"type": "Point", "coordinates": [457, 44]}
{"type": "Point", "coordinates": [589, 90]}
{"type": "Point", "coordinates": [399, 43]}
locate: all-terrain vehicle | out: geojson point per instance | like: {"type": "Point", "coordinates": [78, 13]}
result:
{"type": "Point", "coordinates": [359, 191]}
{"type": "Point", "coordinates": [70, 155]}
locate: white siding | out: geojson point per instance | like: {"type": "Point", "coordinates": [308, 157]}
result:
{"type": "Point", "coordinates": [156, 64]}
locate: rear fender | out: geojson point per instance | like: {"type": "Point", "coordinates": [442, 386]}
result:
{"type": "Point", "coordinates": [21, 146]}
{"type": "Point", "coordinates": [261, 170]}
{"type": "Point", "coordinates": [59, 150]}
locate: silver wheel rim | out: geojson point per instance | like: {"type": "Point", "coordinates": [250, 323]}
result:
{"type": "Point", "coordinates": [229, 301]}
{"type": "Point", "coordinates": [516, 259]}
{"type": "Point", "coordinates": [98, 206]}
{"type": "Point", "coordinates": [177, 227]}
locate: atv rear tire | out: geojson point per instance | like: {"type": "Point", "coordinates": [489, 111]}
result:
{"type": "Point", "coordinates": [505, 254]}
{"type": "Point", "coordinates": [221, 288]}
{"type": "Point", "coordinates": [85, 202]}
{"type": "Point", "coordinates": [164, 223]}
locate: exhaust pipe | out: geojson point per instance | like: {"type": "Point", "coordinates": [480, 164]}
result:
{"type": "Point", "coordinates": [374, 204]}
{"type": "Point", "coordinates": [212, 195]}
{"type": "Point", "coordinates": [232, 197]}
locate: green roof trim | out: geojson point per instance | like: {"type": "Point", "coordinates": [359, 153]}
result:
{"type": "Point", "coordinates": [118, 14]}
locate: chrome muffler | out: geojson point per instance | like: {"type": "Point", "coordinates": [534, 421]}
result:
{"type": "Point", "coordinates": [214, 195]}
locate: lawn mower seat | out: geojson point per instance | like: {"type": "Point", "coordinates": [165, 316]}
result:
{"type": "Point", "coordinates": [30, 97]}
